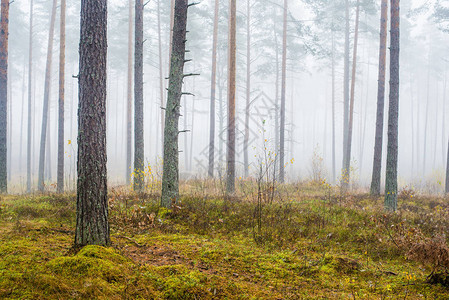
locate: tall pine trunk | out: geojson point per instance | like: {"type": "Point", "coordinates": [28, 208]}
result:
{"type": "Point", "coordinates": [139, 175]}
{"type": "Point", "coordinates": [60, 185]}
{"type": "Point", "coordinates": [283, 91]}
{"type": "Point", "coordinates": [30, 78]}
{"type": "Point", "coordinates": [42, 153]}
{"type": "Point", "coordinates": [92, 226]}
{"type": "Point", "coordinates": [170, 178]}
{"type": "Point", "coordinates": [334, 169]}
{"type": "Point", "coordinates": [377, 164]}
{"type": "Point", "coordinates": [213, 85]}
{"type": "Point", "coordinates": [4, 96]}
{"type": "Point", "coordinates": [248, 88]}
{"type": "Point", "coordinates": [348, 147]}
{"type": "Point", "coordinates": [129, 107]}
{"type": "Point", "coordinates": [391, 184]}
{"type": "Point", "coordinates": [230, 170]}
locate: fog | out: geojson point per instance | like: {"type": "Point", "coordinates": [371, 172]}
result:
{"type": "Point", "coordinates": [423, 130]}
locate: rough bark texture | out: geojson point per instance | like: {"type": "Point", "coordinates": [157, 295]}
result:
{"type": "Point", "coordinates": [391, 184]}
{"type": "Point", "coordinates": [40, 183]}
{"type": "Point", "coordinates": [60, 185]}
{"type": "Point", "coordinates": [30, 77]}
{"type": "Point", "coordinates": [230, 170]}
{"type": "Point", "coordinates": [377, 164]}
{"type": "Point", "coordinates": [283, 91]}
{"type": "Point", "coordinates": [139, 171]}
{"type": "Point", "coordinates": [345, 93]}
{"type": "Point", "coordinates": [92, 225]}
{"type": "Point", "coordinates": [170, 178]}
{"type": "Point", "coordinates": [212, 93]}
{"type": "Point", "coordinates": [129, 107]}
{"type": "Point", "coordinates": [4, 96]}
{"type": "Point", "coordinates": [248, 88]}
{"type": "Point", "coordinates": [348, 148]}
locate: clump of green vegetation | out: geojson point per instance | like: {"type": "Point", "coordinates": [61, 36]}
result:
{"type": "Point", "coordinates": [310, 242]}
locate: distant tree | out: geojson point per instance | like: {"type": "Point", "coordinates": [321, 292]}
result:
{"type": "Point", "coordinates": [92, 226]}
{"type": "Point", "coordinates": [213, 91]}
{"type": "Point", "coordinates": [170, 177]}
{"type": "Point", "coordinates": [391, 183]}
{"type": "Point", "coordinates": [44, 130]}
{"type": "Point", "coordinates": [129, 106]}
{"type": "Point", "coordinates": [283, 92]}
{"type": "Point", "coordinates": [139, 176]}
{"type": "Point", "coordinates": [248, 87]}
{"type": "Point", "coordinates": [230, 182]}
{"type": "Point", "coordinates": [60, 183]}
{"type": "Point", "coordinates": [377, 165]}
{"type": "Point", "coordinates": [30, 76]}
{"type": "Point", "coordinates": [4, 96]}
{"type": "Point", "coordinates": [348, 145]}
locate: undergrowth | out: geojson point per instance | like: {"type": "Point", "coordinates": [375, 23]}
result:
{"type": "Point", "coordinates": [307, 241]}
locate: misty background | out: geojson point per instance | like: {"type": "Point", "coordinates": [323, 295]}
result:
{"type": "Point", "coordinates": [423, 130]}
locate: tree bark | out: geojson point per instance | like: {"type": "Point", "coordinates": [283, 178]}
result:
{"type": "Point", "coordinates": [30, 76]}
{"type": "Point", "coordinates": [391, 184]}
{"type": "Point", "coordinates": [60, 184]}
{"type": "Point", "coordinates": [40, 184]}
{"type": "Point", "coordinates": [92, 225]}
{"type": "Point", "coordinates": [170, 178]}
{"type": "Point", "coordinates": [347, 165]}
{"type": "Point", "coordinates": [248, 88]}
{"type": "Point", "coordinates": [4, 96]}
{"type": "Point", "coordinates": [377, 164]}
{"type": "Point", "coordinates": [283, 91]}
{"type": "Point", "coordinates": [129, 108]}
{"type": "Point", "coordinates": [139, 154]}
{"type": "Point", "coordinates": [22, 119]}
{"type": "Point", "coordinates": [230, 182]}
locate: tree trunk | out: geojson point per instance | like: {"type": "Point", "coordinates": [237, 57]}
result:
{"type": "Point", "coordinates": [60, 185]}
{"type": "Point", "coordinates": [170, 178]}
{"type": "Point", "coordinates": [161, 76]}
{"type": "Point", "coordinates": [4, 96]}
{"type": "Point", "coordinates": [30, 76]}
{"type": "Point", "coordinates": [22, 119]}
{"type": "Point", "coordinates": [347, 165]}
{"type": "Point", "coordinates": [377, 164]}
{"type": "Point", "coordinates": [426, 120]}
{"type": "Point", "coordinates": [391, 184]}
{"type": "Point", "coordinates": [129, 108]}
{"type": "Point", "coordinates": [334, 170]}
{"type": "Point", "coordinates": [92, 225]}
{"type": "Point", "coordinates": [447, 171]}
{"type": "Point", "coordinates": [9, 165]}
{"type": "Point", "coordinates": [230, 182]}
{"type": "Point", "coordinates": [212, 93]}
{"type": "Point", "coordinates": [248, 87]}
{"type": "Point", "coordinates": [345, 95]}
{"type": "Point", "coordinates": [139, 154]}
{"type": "Point", "coordinates": [45, 112]}
{"type": "Point", "coordinates": [283, 91]}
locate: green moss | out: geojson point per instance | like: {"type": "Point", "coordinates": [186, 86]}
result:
{"type": "Point", "coordinates": [92, 261]}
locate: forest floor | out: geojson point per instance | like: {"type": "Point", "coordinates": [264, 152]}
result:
{"type": "Point", "coordinates": [308, 241]}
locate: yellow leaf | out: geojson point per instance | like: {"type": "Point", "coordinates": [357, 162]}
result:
{"type": "Point", "coordinates": [70, 142]}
